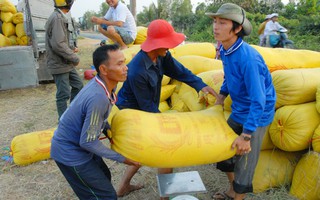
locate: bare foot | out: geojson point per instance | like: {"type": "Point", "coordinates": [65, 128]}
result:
{"type": "Point", "coordinates": [126, 190]}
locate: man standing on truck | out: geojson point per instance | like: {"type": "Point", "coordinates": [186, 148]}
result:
{"type": "Point", "coordinates": [118, 24]}
{"type": "Point", "coordinates": [61, 49]}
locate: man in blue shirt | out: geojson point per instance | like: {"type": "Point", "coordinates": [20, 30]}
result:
{"type": "Point", "coordinates": [248, 82]}
{"type": "Point", "coordinates": [76, 147]}
{"type": "Point", "coordinates": [142, 88]}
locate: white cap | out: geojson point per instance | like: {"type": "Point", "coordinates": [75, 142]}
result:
{"type": "Point", "coordinates": [274, 15]}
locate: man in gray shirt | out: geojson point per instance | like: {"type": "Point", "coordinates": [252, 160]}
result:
{"type": "Point", "coordinates": [61, 49]}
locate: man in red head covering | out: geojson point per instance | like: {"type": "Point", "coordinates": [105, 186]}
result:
{"type": "Point", "coordinates": [142, 88]}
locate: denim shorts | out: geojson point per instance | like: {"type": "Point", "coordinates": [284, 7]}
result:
{"type": "Point", "coordinates": [125, 35]}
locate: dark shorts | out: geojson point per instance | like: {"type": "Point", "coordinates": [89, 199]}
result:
{"type": "Point", "coordinates": [91, 180]}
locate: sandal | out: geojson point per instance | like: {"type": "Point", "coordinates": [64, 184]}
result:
{"type": "Point", "coordinates": [222, 196]}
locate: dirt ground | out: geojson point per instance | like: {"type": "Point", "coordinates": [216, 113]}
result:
{"type": "Point", "coordinates": [33, 109]}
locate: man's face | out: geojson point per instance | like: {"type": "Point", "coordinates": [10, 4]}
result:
{"type": "Point", "coordinates": [161, 52]}
{"type": "Point", "coordinates": [116, 68]}
{"type": "Point", "coordinates": [222, 29]}
{"type": "Point", "coordinates": [112, 3]}
{"type": "Point", "coordinates": [274, 19]}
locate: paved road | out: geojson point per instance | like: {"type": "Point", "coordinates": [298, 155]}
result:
{"type": "Point", "coordinates": [93, 35]}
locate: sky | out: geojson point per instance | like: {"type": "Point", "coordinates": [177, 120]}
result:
{"type": "Point", "coordinates": [81, 6]}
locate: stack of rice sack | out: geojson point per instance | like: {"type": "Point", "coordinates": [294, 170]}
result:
{"type": "Point", "coordinates": [12, 29]}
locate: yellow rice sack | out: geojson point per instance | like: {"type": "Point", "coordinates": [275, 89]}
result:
{"type": "Point", "coordinates": [31, 147]}
{"type": "Point", "coordinates": [295, 86]}
{"type": "Point", "coordinates": [197, 64]}
{"type": "Point", "coordinates": [165, 80]}
{"type": "Point", "coordinates": [114, 110]}
{"type": "Point", "coordinates": [293, 126]}
{"type": "Point", "coordinates": [8, 29]}
{"type": "Point", "coordinates": [165, 139]}
{"type": "Point", "coordinates": [274, 169]}
{"type": "Point", "coordinates": [166, 92]}
{"type": "Point", "coordinates": [6, 16]}
{"type": "Point", "coordinates": [22, 40]}
{"type": "Point", "coordinates": [4, 41]}
{"type": "Point", "coordinates": [7, 6]}
{"type": "Point", "coordinates": [318, 98]}
{"type": "Point", "coordinates": [13, 40]}
{"type": "Point", "coordinates": [204, 49]}
{"type": "Point", "coordinates": [177, 103]}
{"type": "Point", "coordinates": [164, 106]}
{"type": "Point", "coordinates": [141, 35]}
{"type": "Point", "coordinates": [130, 52]}
{"type": "Point", "coordinates": [306, 180]}
{"type": "Point", "coordinates": [267, 142]}
{"type": "Point", "coordinates": [17, 18]}
{"type": "Point", "coordinates": [20, 30]}
{"type": "Point", "coordinates": [191, 98]}
{"type": "Point", "coordinates": [281, 58]}
{"type": "Point", "coordinates": [316, 140]}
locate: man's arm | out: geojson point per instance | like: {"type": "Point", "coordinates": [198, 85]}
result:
{"type": "Point", "coordinates": [98, 20]}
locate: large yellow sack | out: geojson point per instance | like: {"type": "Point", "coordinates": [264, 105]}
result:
{"type": "Point", "coordinates": [4, 41]}
{"type": "Point", "coordinates": [7, 6]}
{"type": "Point", "coordinates": [166, 92]}
{"type": "Point", "coordinates": [6, 16]}
{"type": "Point", "coordinates": [22, 40]}
{"type": "Point", "coordinates": [274, 169]}
{"type": "Point", "coordinates": [316, 140]}
{"type": "Point", "coordinates": [318, 98]}
{"type": "Point", "coordinates": [141, 35]}
{"type": "Point", "coordinates": [306, 180]}
{"type": "Point", "coordinates": [17, 18]}
{"type": "Point", "coordinates": [13, 40]}
{"type": "Point", "coordinates": [173, 139]}
{"type": "Point", "coordinates": [177, 103]}
{"type": "Point", "coordinates": [8, 29]}
{"type": "Point", "coordinates": [267, 142]}
{"type": "Point", "coordinates": [198, 64]}
{"type": "Point", "coordinates": [114, 110]}
{"type": "Point", "coordinates": [31, 147]}
{"type": "Point", "coordinates": [281, 58]}
{"type": "Point", "coordinates": [20, 30]}
{"type": "Point", "coordinates": [130, 52]}
{"type": "Point", "coordinates": [190, 97]}
{"type": "Point", "coordinates": [295, 86]}
{"type": "Point", "coordinates": [165, 80]}
{"type": "Point", "coordinates": [204, 49]}
{"type": "Point", "coordinates": [164, 106]}
{"type": "Point", "coordinates": [293, 126]}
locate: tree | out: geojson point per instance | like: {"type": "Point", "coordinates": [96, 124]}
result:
{"type": "Point", "coordinates": [103, 9]}
{"type": "Point", "coordinates": [87, 19]}
{"type": "Point", "coordinates": [147, 15]}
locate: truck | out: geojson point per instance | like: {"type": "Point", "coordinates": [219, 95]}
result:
{"type": "Point", "coordinates": [26, 66]}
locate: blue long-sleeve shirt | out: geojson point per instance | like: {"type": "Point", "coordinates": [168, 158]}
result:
{"type": "Point", "coordinates": [249, 83]}
{"type": "Point", "coordinates": [76, 139]}
{"type": "Point", "coordinates": [142, 88]}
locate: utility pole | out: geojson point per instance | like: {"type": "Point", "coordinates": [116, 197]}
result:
{"type": "Point", "coordinates": [133, 5]}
